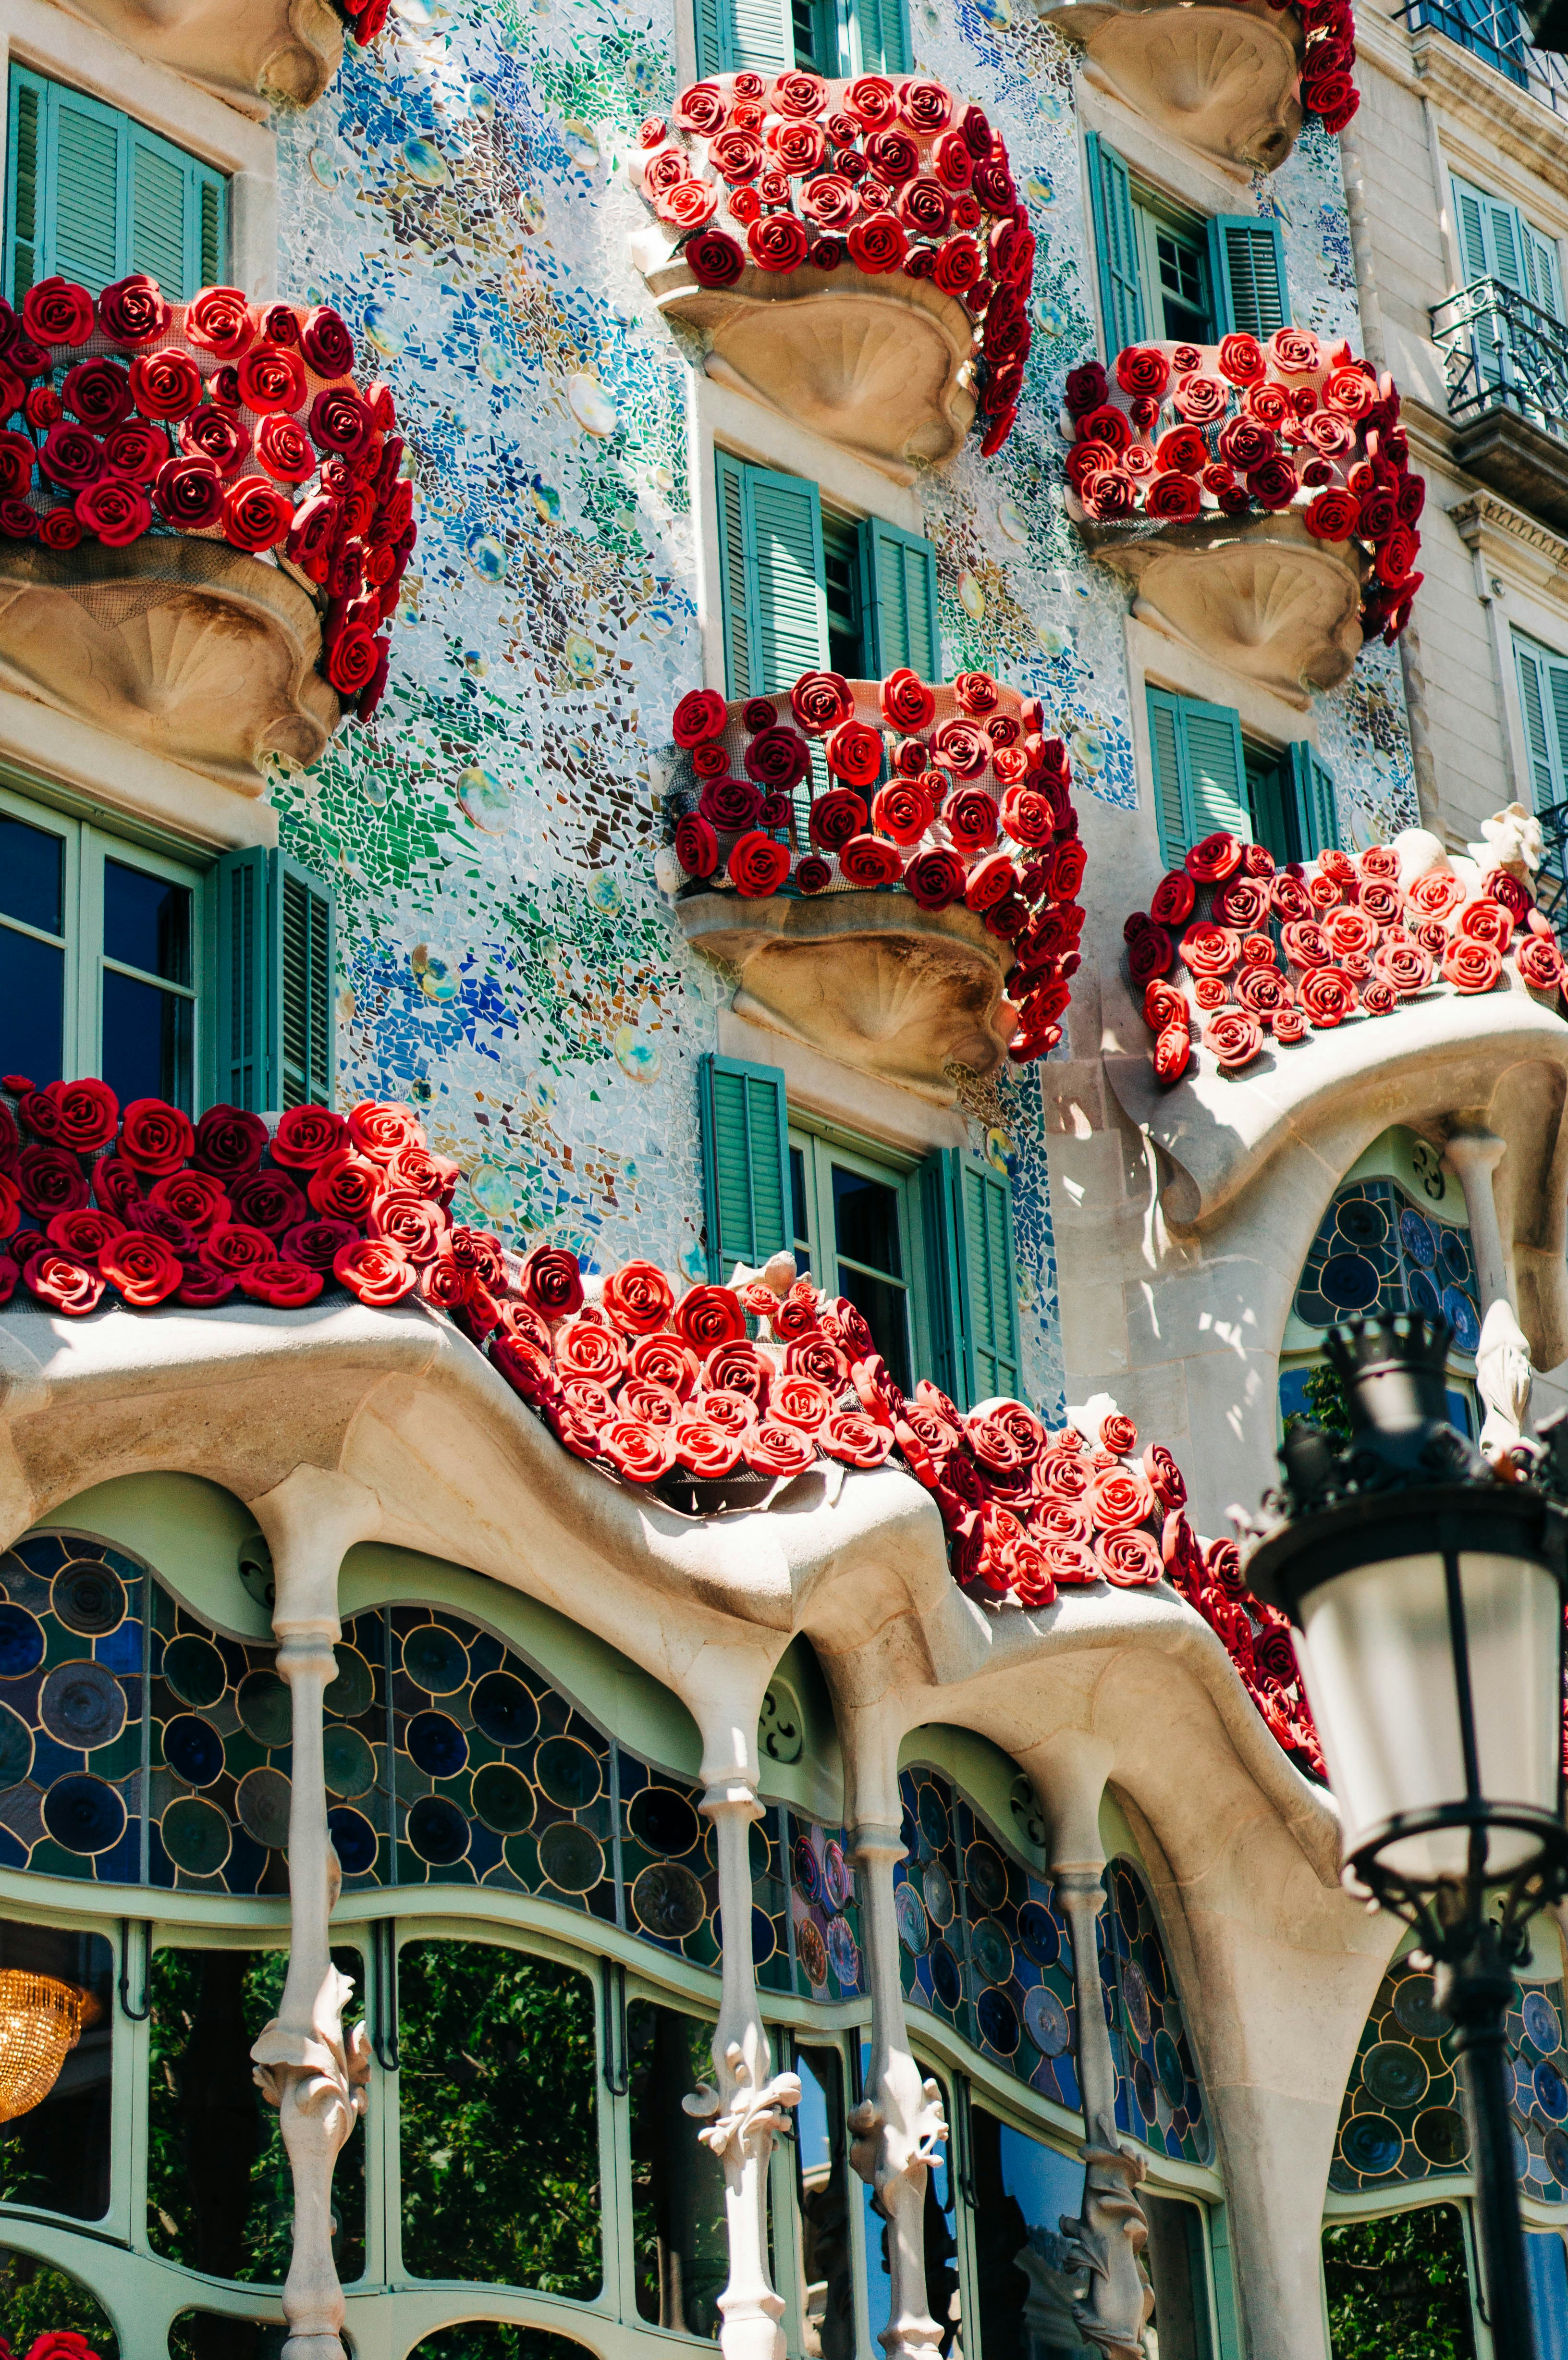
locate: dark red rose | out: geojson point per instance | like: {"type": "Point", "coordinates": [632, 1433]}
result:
{"type": "Point", "coordinates": [307, 1136]}
{"type": "Point", "coordinates": [696, 845]}
{"type": "Point", "coordinates": [256, 516]}
{"type": "Point", "coordinates": [98, 393]}
{"type": "Point", "coordinates": [374, 1270]}
{"type": "Point", "coordinates": [236, 1246]}
{"type": "Point", "coordinates": [1275, 484]}
{"type": "Point", "coordinates": [351, 659]}
{"type": "Point", "coordinates": [835, 817]}
{"type": "Point", "coordinates": [57, 311]}
{"type": "Point", "coordinates": [757, 866]}
{"type": "Point", "coordinates": [71, 457]}
{"type": "Point", "coordinates": [87, 1112]}
{"type": "Point", "coordinates": [282, 1284]}
{"type": "Point", "coordinates": [284, 450]}
{"type": "Point", "coordinates": [135, 451]}
{"type": "Point", "coordinates": [551, 1283]}
{"type": "Point", "coordinates": [340, 421]}
{"type": "Point", "coordinates": [326, 343]}
{"type": "Point", "coordinates": [778, 758]}
{"type": "Point", "coordinates": [194, 1198]}
{"type": "Point", "coordinates": [729, 805]}
{"type": "Point", "coordinates": [116, 512]}
{"type": "Point", "coordinates": [155, 1137]}
{"type": "Point", "coordinates": [714, 258]}
{"type": "Point", "coordinates": [219, 322]}
{"type": "Point", "coordinates": [212, 434]}
{"type": "Point", "coordinates": [877, 242]}
{"type": "Point", "coordinates": [935, 878]}
{"type": "Point", "coordinates": [164, 385]}
{"type": "Point", "coordinates": [143, 1270]}
{"type": "Point", "coordinates": [188, 492]}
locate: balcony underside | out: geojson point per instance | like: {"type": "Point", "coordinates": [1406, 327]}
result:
{"type": "Point", "coordinates": [1522, 461]}
{"type": "Point", "coordinates": [250, 52]}
{"type": "Point", "coordinates": [1224, 80]}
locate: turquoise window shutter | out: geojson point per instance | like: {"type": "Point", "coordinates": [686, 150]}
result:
{"type": "Point", "coordinates": [755, 36]}
{"type": "Point", "coordinates": [1115, 246]}
{"type": "Point", "coordinates": [1317, 809]}
{"type": "Point", "coordinates": [93, 196]}
{"type": "Point", "coordinates": [307, 987]}
{"type": "Point", "coordinates": [708, 23]}
{"type": "Point", "coordinates": [899, 590]}
{"type": "Point", "coordinates": [1246, 265]}
{"type": "Point", "coordinates": [745, 1163]}
{"type": "Point", "coordinates": [983, 1225]}
{"type": "Point", "coordinates": [884, 29]}
{"type": "Point", "coordinates": [274, 929]}
{"type": "Point", "coordinates": [771, 576]}
{"type": "Point", "coordinates": [944, 1301]}
{"type": "Point", "coordinates": [1543, 704]}
{"type": "Point", "coordinates": [1173, 808]}
{"type": "Point", "coordinates": [737, 567]}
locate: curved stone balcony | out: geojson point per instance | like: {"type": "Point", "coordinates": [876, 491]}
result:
{"type": "Point", "coordinates": [886, 870]}
{"type": "Point", "coordinates": [1257, 499]}
{"type": "Point", "coordinates": [855, 258]}
{"type": "Point", "coordinates": [1224, 80]}
{"type": "Point", "coordinates": [205, 532]}
{"type": "Point", "coordinates": [254, 53]}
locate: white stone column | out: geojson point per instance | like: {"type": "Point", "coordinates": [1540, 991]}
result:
{"type": "Point", "coordinates": [744, 2107]}
{"type": "Point", "coordinates": [1108, 2238]}
{"type": "Point", "coordinates": [315, 2077]}
{"type": "Point", "coordinates": [899, 2127]}
{"type": "Point", "coordinates": [1474, 1155]}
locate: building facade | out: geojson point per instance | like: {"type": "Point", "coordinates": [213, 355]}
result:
{"type": "Point", "coordinates": [776, 783]}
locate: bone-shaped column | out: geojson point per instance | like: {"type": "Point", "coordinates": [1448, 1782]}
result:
{"type": "Point", "coordinates": [315, 2076]}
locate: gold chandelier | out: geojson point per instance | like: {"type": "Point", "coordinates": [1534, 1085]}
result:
{"type": "Point", "coordinates": [40, 2022]}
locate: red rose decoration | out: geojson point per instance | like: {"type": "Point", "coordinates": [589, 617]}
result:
{"type": "Point", "coordinates": [219, 322]}
{"type": "Point", "coordinates": [1215, 859]}
{"type": "Point", "coordinates": [326, 343]}
{"type": "Point", "coordinates": [585, 1348]}
{"type": "Point", "coordinates": [116, 513]}
{"type": "Point", "coordinates": [696, 845]}
{"type": "Point", "coordinates": [714, 258]}
{"type": "Point", "coordinates": [63, 1283]}
{"type": "Point", "coordinates": [866, 861]}
{"type": "Point", "coordinates": [1486, 921]}
{"type": "Point", "coordinates": [777, 242]}
{"type": "Point", "coordinates": [705, 1448]}
{"type": "Point", "coordinates": [57, 311]}
{"type": "Point", "coordinates": [663, 1360]}
{"type": "Point", "coordinates": [639, 1452]}
{"type": "Point", "coordinates": [757, 866]}
{"type": "Point", "coordinates": [255, 516]}
{"type": "Point", "coordinates": [1472, 966]}
{"type": "Point", "coordinates": [972, 818]}
{"type": "Point", "coordinates": [82, 1234]}
{"type": "Point", "coordinates": [308, 1135]}
{"type": "Point", "coordinates": [935, 878]}
{"type": "Point", "coordinates": [708, 1316]}
{"type": "Point", "coordinates": [1236, 1038]}
{"type": "Point", "coordinates": [1172, 1053]}
{"type": "Point", "coordinates": [142, 1268]}
{"type": "Point", "coordinates": [700, 714]}
{"type": "Point", "coordinates": [778, 1450]}
{"type": "Point", "coordinates": [729, 805]}
{"type": "Point", "coordinates": [551, 1283]}
{"type": "Point", "coordinates": [1327, 998]}
{"type": "Point", "coordinates": [854, 752]}
{"type": "Point", "coordinates": [374, 1270]}
{"type": "Point", "coordinates": [877, 242]}
{"type": "Point", "coordinates": [778, 758]}
{"type": "Point", "coordinates": [155, 1137]}
{"type": "Point", "coordinates": [820, 701]}
{"type": "Point", "coordinates": [637, 1298]}
{"type": "Point", "coordinates": [317, 1244]}
{"type": "Point", "coordinates": [1539, 963]}
{"type": "Point", "coordinates": [834, 818]}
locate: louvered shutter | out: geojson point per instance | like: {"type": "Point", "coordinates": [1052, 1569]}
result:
{"type": "Point", "coordinates": [1216, 771]}
{"type": "Point", "coordinates": [93, 196]}
{"type": "Point", "coordinates": [1543, 704]}
{"type": "Point", "coordinates": [276, 1029]}
{"type": "Point", "coordinates": [884, 30]}
{"type": "Point", "coordinates": [1317, 809]}
{"type": "Point", "coordinates": [24, 187]}
{"type": "Point", "coordinates": [1471, 220]}
{"type": "Point", "coordinates": [943, 1309]}
{"type": "Point", "coordinates": [1246, 265]}
{"type": "Point", "coordinates": [1556, 672]}
{"type": "Point", "coordinates": [708, 23]}
{"type": "Point", "coordinates": [898, 593]}
{"type": "Point", "coordinates": [755, 36]}
{"type": "Point", "coordinates": [745, 1163]}
{"type": "Point", "coordinates": [1541, 283]}
{"type": "Point", "coordinates": [243, 930]}
{"type": "Point", "coordinates": [85, 168]}
{"type": "Point", "coordinates": [1172, 811]}
{"type": "Point", "coordinates": [1116, 247]}
{"type": "Point", "coordinates": [306, 990]}
{"type": "Point", "coordinates": [736, 572]}
{"type": "Point", "coordinates": [789, 599]}
{"type": "Point", "coordinates": [977, 1250]}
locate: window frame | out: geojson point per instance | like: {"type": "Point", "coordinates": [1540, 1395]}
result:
{"type": "Point", "coordinates": [823, 1144]}
{"type": "Point", "coordinates": [88, 846]}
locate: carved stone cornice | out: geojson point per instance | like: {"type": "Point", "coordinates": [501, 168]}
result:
{"type": "Point", "coordinates": [1486, 524]}
{"type": "Point", "coordinates": [1502, 115]}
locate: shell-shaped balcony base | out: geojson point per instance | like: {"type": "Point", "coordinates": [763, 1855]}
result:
{"type": "Point", "coordinates": [1224, 80]}
{"type": "Point", "coordinates": [251, 52]}
{"type": "Point", "coordinates": [189, 647]}
{"type": "Point", "coordinates": [1264, 598]}
{"type": "Point", "coordinates": [870, 978]}
{"type": "Point", "coordinates": [879, 366]}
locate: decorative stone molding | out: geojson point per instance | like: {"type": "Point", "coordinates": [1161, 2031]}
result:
{"type": "Point", "coordinates": [1223, 81]}
{"type": "Point", "coordinates": [254, 53]}
{"type": "Point", "coordinates": [898, 2130]}
{"type": "Point", "coordinates": [317, 2077]}
{"type": "Point", "coordinates": [882, 367]}
{"type": "Point", "coordinates": [873, 979]}
{"type": "Point", "coordinates": [189, 647]}
{"type": "Point", "coordinates": [1495, 530]}
{"type": "Point", "coordinates": [1260, 596]}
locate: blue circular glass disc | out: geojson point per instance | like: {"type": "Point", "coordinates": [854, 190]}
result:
{"type": "Point", "coordinates": [193, 1749]}
{"type": "Point", "coordinates": [1459, 1312]}
{"type": "Point", "coordinates": [437, 1745]}
{"type": "Point", "coordinates": [1371, 2145]}
{"type": "Point", "coordinates": [1350, 1282]}
{"type": "Point", "coordinates": [999, 2021]}
{"type": "Point", "coordinates": [1540, 2022]}
{"type": "Point", "coordinates": [354, 1840]}
{"type": "Point", "coordinates": [1415, 1231]}
{"type": "Point", "coordinates": [946, 1981]}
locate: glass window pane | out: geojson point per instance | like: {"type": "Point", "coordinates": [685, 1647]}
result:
{"type": "Point", "coordinates": [1398, 2284]}
{"type": "Point", "coordinates": [32, 1008]}
{"type": "Point", "coordinates": [32, 875]}
{"type": "Point", "coordinates": [146, 1040]}
{"type": "Point", "coordinates": [841, 567]}
{"type": "Point", "coordinates": [220, 2196]}
{"type": "Point", "coordinates": [1175, 2261]}
{"type": "Point", "coordinates": [1022, 2189]}
{"type": "Point", "coordinates": [55, 2150]}
{"type": "Point", "coordinates": [1547, 2263]}
{"type": "Point", "coordinates": [682, 2255]}
{"type": "Point", "coordinates": [799, 1211]}
{"type": "Point", "coordinates": [865, 1221]}
{"type": "Point", "coordinates": [146, 922]}
{"type": "Point", "coordinates": [498, 2097]}
{"type": "Point", "coordinates": [941, 2253]}
{"type": "Point", "coordinates": [493, 2339]}
{"type": "Point", "coordinates": [827, 2292]}
{"type": "Point", "coordinates": [886, 1314]}
{"type": "Point", "coordinates": [36, 2296]}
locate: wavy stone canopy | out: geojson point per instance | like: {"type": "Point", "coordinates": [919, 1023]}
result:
{"type": "Point", "coordinates": [251, 52]}
{"type": "Point", "coordinates": [1224, 80]}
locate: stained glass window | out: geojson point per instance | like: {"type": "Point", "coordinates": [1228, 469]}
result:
{"type": "Point", "coordinates": [1160, 2099]}
{"type": "Point", "coordinates": [1376, 1252]}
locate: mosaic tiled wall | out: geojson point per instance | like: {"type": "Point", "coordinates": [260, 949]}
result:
{"type": "Point", "coordinates": [1403, 2117]}
{"type": "Point", "coordinates": [461, 194]}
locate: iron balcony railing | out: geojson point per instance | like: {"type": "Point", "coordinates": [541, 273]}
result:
{"type": "Point", "coordinates": [1552, 883]}
{"type": "Point", "coordinates": [1497, 35]}
{"type": "Point", "coordinates": [1500, 351]}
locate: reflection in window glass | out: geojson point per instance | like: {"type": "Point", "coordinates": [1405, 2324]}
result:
{"type": "Point", "coordinates": [498, 2099]}
{"type": "Point", "coordinates": [34, 2298]}
{"type": "Point", "coordinates": [495, 2339]}
{"type": "Point", "coordinates": [220, 2196]}
{"type": "Point", "coordinates": [32, 1009]}
{"type": "Point", "coordinates": [870, 1262]}
{"type": "Point", "coordinates": [196, 2335]}
{"type": "Point", "coordinates": [827, 2293]}
{"type": "Point", "coordinates": [1179, 2275]}
{"type": "Point", "coordinates": [941, 2250]}
{"type": "Point", "coordinates": [1022, 2189]}
{"type": "Point", "coordinates": [55, 2152]}
{"type": "Point", "coordinates": [1398, 2289]}
{"type": "Point", "coordinates": [1548, 2261]}
{"type": "Point", "coordinates": [682, 2255]}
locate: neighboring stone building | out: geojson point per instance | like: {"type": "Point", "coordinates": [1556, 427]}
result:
{"type": "Point", "coordinates": [670, 650]}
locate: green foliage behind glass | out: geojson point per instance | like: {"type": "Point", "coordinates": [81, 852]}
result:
{"type": "Point", "coordinates": [1325, 1398]}
{"type": "Point", "coordinates": [1399, 2289]}
{"type": "Point", "coordinates": [497, 2096]}
{"type": "Point", "coordinates": [34, 2297]}
{"type": "Point", "coordinates": [493, 2339]}
{"type": "Point", "coordinates": [219, 2197]}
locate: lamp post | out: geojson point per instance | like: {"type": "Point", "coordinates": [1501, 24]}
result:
{"type": "Point", "coordinates": [1426, 1594]}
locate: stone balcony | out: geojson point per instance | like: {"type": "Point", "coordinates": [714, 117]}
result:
{"type": "Point", "coordinates": [253, 53]}
{"type": "Point", "coordinates": [1506, 361]}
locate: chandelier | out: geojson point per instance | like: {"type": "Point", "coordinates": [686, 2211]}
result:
{"type": "Point", "coordinates": [40, 2022]}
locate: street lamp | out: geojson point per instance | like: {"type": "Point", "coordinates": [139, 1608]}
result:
{"type": "Point", "coordinates": [1426, 1593]}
